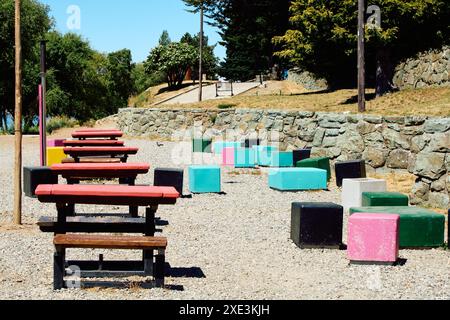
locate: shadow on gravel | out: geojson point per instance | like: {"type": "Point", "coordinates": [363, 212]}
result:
{"type": "Point", "coordinates": [193, 272]}
{"type": "Point", "coordinates": [120, 285]}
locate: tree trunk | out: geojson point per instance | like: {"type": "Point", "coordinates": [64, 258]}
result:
{"type": "Point", "coordinates": [385, 72]}
{"type": "Point", "coordinates": [18, 120]}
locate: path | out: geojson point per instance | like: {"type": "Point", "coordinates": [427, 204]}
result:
{"type": "Point", "coordinates": [209, 93]}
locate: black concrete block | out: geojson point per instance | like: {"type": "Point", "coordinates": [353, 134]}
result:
{"type": "Point", "coordinates": [350, 170]}
{"type": "Point", "coordinates": [35, 176]}
{"type": "Point", "coordinates": [301, 154]}
{"type": "Point", "coordinates": [317, 225]}
{"type": "Point", "coordinates": [165, 177]}
{"type": "Point", "coordinates": [250, 143]}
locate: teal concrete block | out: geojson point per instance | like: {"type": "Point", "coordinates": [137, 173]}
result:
{"type": "Point", "coordinates": [298, 179]}
{"type": "Point", "coordinates": [419, 228]}
{"type": "Point", "coordinates": [244, 158]}
{"type": "Point", "coordinates": [202, 145]}
{"type": "Point", "coordinates": [205, 179]}
{"type": "Point", "coordinates": [220, 145]}
{"type": "Point", "coordinates": [282, 159]}
{"type": "Point", "coordinates": [263, 155]}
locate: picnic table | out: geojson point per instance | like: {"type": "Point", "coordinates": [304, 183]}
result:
{"type": "Point", "coordinates": [114, 152]}
{"type": "Point", "coordinates": [93, 143]}
{"type": "Point", "coordinates": [66, 195]}
{"type": "Point", "coordinates": [125, 172]}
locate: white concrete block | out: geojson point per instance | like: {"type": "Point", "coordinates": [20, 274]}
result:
{"type": "Point", "coordinates": [352, 190]}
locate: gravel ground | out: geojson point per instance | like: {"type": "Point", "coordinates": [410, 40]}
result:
{"type": "Point", "coordinates": [239, 241]}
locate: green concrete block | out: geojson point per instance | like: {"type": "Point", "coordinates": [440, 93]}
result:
{"type": "Point", "coordinates": [318, 163]}
{"type": "Point", "coordinates": [384, 199]}
{"type": "Point", "coordinates": [419, 228]}
{"type": "Point", "coordinates": [202, 145]}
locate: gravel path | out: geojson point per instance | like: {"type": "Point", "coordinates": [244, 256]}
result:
{"type": "Point", "coordinates": [240, 242]}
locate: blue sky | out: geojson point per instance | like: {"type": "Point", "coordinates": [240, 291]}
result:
{"type": "Point", "coordinates": [133, 24]}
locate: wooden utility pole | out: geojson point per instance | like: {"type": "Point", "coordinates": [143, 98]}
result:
{"type": "Point", "coordinates": [361, 56]}
{"type": "Point", "coordinates": [200, 68]}
{"type": "Point", "coordinates": [18, 120]}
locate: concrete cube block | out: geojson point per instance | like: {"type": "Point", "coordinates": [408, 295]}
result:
{"type": "Point", "coordinates": [55, 155]}
{"type": "Point", "coordinates": [167, 177]}
{"type": "Point", "coordinates": [281, 159]}
{"type": "Point", "coordinates": [263, 155]}
{"type": "Point", "coordinates": [352, 190]}
{"type": "Point", "coordinates": [228, 155]}
{"type": "Point", "coordinates": [35, 176]}
{"type": "Point", "coordinates": [55, 143]}
{"type": "Point", "coordinates": [301, 154]}
{"type": "Point", "coordinates": [244, 158]}
{"type": "Point", "coordinates": [384, 199]}
{"type": "Point", "coordinates": [373, 238]}
{"type": "Point", "coordinates": [202, 145]}
{"type": "Point", "coordinates": [297, 179]}
{"type": "Point", "coordinates": [350, 170]}
{"type": "Point", "coordinates": [317, 225]}
{"type": "Point", "coordinates": [319, 163]}
{"type": "Point", "coordinates": [219, 146]}
{"type": "Point", "coordinates": [419, 228]}
{"type": "Point", "coordinates": [205, 179]}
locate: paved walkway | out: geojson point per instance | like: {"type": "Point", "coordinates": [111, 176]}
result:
{"type": "Point", "coordinates": [209, 93]}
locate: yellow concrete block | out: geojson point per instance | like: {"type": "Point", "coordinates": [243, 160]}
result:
{"type": "Point", "coordinates": [55, 155]}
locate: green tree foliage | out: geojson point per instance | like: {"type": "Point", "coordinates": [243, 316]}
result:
{"type": "Point", "coordinates": [121, 85]}
{"type": "Point", "coordinates": [247, 28]}
{"type": "Point", "coordinates": [173, 61]}
{"type": "Point", "coordinates": [35, 24]}
{"type": "Point", "coordinates": [323, 36]}
{"type": "Point", "coordinates": [164, 39]}
{"type": "Point", "coordinates": [210, 61]}
{"type": "Point", "coordinates": [142, 81]}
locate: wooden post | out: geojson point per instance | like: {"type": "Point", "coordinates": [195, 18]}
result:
{"type": "Point", "coordinates": [200, 69]}
{"type": "Point", "coordinates": [361, 56]}
{"type": "Point", "coordinates": [18, 120]}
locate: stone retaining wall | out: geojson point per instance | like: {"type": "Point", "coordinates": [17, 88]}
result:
{"type": "Point", "coordinates": [427, 69]}
{"type": "Point", "coordinates": [416, 144]}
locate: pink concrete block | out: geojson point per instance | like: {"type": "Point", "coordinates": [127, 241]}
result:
{"type": "Point", "coordinates": [228, 156]}
{"type": "Point", "coordinates": [373, 237]}
{"type": "Point", "coordinates": [55, 143]}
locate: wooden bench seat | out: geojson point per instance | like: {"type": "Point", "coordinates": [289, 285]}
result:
{"type": "Point", "coordinates": [92, 160]}
{"type": "Point", "coordinates": [93, 143]}
{"type": "Point", "coordinates": [99, 151]}
{"type": "Point", "coordinates": [147, 244]}
{"type": "Point", "coordinates": [91, 224]}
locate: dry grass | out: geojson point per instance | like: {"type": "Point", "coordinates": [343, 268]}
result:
{"type": "Point", "coordinates": [158, 94]}
{"type": "Point", "coordinates": [429, 101]}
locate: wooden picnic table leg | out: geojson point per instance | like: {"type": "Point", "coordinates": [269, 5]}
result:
{"type": "Point", "coordinates": [59, 259]}
{"type": "Point", "coordinates": [158, 273]}
{"type": "Point", "coordinates": [150, 213]}
{"type": "Point", "coordinates": [131, 181]}
{"type": "Point", "coordinates": [62, 210]}
{"type": "Point", "coordinates": [71, 207]}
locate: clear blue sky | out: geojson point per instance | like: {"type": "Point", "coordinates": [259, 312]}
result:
{"type": "Point", "coordinates": [133, 24]}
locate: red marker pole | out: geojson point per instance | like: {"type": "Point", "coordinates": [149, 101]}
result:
{"type": "Point", "coordinates": [42, 108]}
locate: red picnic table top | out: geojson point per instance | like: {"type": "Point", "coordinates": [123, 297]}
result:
{"type": "Point", "coordinates": [97, 130]}
{"type": "Point", "coordinates": [97, 134]}
{"type": "Point", "coordinates": [99, 151]}
{"type": "Point", "coordinates": [93, 143]}
{"type": "Point", "coordinates": [107, 195]}
{"type": "Point", "coordinates": [100, 170]}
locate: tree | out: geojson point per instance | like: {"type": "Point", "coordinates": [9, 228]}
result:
{"type": "Point", "coordinates": [34, 25]}
{"type": "Point", "coordinates": [164, 39]}
{"type": "Point", "coordinates": [120, 68]}
{"type": "Point", "coordinates": [173, 61]}
{"type": "Point", "coordinates": [322, 38]}
{"type": "Point", "coordinates": [247, 28]}
{"type": "Point", "coordinates": [210, 61]}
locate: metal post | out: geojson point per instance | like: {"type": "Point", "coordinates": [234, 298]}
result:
{"type": "Point", "coordinates": [43, 105]}
{"type": "Point", "coordinates": [200, 69]}
{"type": "Point", "coordinates": [361, 57]}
